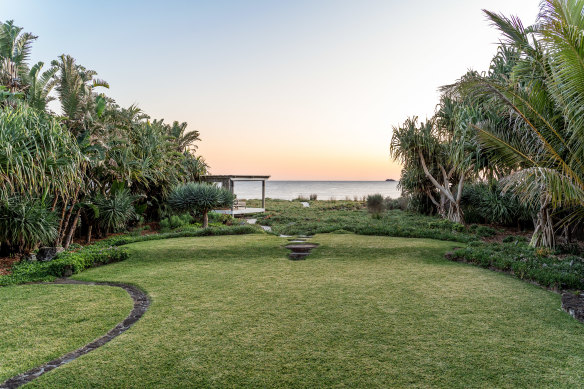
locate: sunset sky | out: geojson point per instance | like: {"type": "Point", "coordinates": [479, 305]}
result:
{"type": "Point", "coordinates": [294, 89]}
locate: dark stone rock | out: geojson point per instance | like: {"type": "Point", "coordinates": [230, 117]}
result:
{"type": "Point", "coordinates": [574, 305]}
{"type": "Point", "coordinates": [48, 253]}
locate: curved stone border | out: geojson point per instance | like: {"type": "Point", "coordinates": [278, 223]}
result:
{"type": "Point", "coordinates": [141, 303]}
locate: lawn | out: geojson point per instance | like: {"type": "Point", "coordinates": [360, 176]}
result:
{"type": "Point", "coordinates": [43, 322]}
{"type": "Point", "coordinates": [361, 311]}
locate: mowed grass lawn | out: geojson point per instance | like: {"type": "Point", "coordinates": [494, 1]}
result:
{"type": "Point", "coordinates": [361, 311]}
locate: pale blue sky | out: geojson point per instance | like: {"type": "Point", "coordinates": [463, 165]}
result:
{"type": "Point", "coordinates": [296, 89]}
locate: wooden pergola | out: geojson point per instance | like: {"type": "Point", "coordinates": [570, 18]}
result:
{"type": "Point", "coordinates": [228, 182]}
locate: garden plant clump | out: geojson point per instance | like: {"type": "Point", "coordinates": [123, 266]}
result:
{"type": "Point", "coordinates": [546, 267]}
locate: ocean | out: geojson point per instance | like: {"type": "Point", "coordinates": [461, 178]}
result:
{"type": "Point", "coordinates": [325, 190]}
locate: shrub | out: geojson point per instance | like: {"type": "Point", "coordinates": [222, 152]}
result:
{"type": "Point", "coordinates": [399, 203]}
{"type": "Point", "coordinates": [485, 231]}
{"type": "Point", "coordinates": [199, 199]}
{"type": "Point", "coordinates": [25, 223]}
{"type": "Point", "coordinates": [375, 204]}
{"type": "Point", "coordinates": [176, 221]}
{"type": "Point", "coordinates": [313, 197]}
{"type": "Point", "coordinates": [115, 210]}
{"type": "Point", "coordinates": [73, 262]}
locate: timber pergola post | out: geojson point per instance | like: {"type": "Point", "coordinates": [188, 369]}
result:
{"type": "Point", "coordinates": [228, 182]}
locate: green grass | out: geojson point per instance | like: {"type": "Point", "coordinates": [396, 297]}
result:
{"type": "Point", "coordinates": [42, 322]}
{"type": "Point", "coordinates": [361, 311]}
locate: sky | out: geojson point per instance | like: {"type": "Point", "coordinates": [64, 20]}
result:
{"type": "Point", "coordinates": [295, 89]}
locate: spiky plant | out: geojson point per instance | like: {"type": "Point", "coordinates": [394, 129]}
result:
{"type": "Point", "coordinates": [199, 199]}
{"type": "Point", "coordinates": [115, 210]}
{"type": "Point", "coordinates": [25, 223]}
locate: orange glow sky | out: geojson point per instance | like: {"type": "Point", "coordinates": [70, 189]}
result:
{"type": "Point", "coordinates": [295, 89]}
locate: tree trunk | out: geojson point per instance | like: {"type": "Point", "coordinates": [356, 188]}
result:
{"type": "Point", "coordinates": [72, 229]}
{"type": "Point", "coordinates": [65, 223]}
{"type": "Point", "coordinates": [88, 239]}
{"type": "Point", "coordinates": [543, 236]}
{"type": "Point", "coordinates": [61, 221]}
{"type": "Point", "coordinates": [205, 219]}
{"type": "Point", "coordinates": [449, 204]}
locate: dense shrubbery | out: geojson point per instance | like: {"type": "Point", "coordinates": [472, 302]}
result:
{"type": "Point", "coordinates": [176, 221]}
{"type": "Point", "coordinates": [66, 264]}
{"type": "Point", "coordinates": [526, 262]}
{"type": "Point", "coordinates": [115, 210]}
{"type": "Point", "coordinates": [484, 203]}
{"type": "Point", "coordinates": [89, 167]}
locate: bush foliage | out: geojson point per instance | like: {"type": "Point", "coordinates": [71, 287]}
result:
{"type": "Point", "coordinates": [526, 263]}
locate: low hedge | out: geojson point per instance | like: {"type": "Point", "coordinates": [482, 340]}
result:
{"type": "Point", "coordinates": [101, 253]}
{"type": "Point", "coordinates": [538, 265]}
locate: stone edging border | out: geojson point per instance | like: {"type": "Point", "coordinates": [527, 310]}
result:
{"type": "Point", "coordinates": [141, 303]}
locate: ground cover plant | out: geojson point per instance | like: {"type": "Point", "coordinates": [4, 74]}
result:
{"type": "Point", "coordinates": [234, 312]}
{"type": "Point", "coordinates": [323, 216]}
{"type": "Point", "coordinates": [547, 268]}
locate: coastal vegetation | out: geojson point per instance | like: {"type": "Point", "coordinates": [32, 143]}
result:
{"type": "Point", "coordinates": [516, 128]}
{"type": "Point", "coordinates": [90, 170]}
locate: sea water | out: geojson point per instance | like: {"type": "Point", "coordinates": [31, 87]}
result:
{"type": "Point", "coordinates": [324, 190]}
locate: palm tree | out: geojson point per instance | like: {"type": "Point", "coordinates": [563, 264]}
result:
{"type": "Point", "coordinates": [14, 52]}
{"type": "Point", "coordinates": [184, 140]}
{"type": "Point", "coordinates": [75, 90]}
{"type": "Point", "coordinates": [40, 85]}
{"type": "Point", "coordinates": [544, 141]}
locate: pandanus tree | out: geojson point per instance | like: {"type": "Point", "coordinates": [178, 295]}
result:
{"type": "Point", "coordinates": [544, 96]}
{"type": "Point", "coordinates": [443, 151]}
{"type": "Point", "coordinates": [41, 168]}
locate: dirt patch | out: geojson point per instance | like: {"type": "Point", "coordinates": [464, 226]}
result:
{"type": "Point", "coordinates": [6, 264]}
